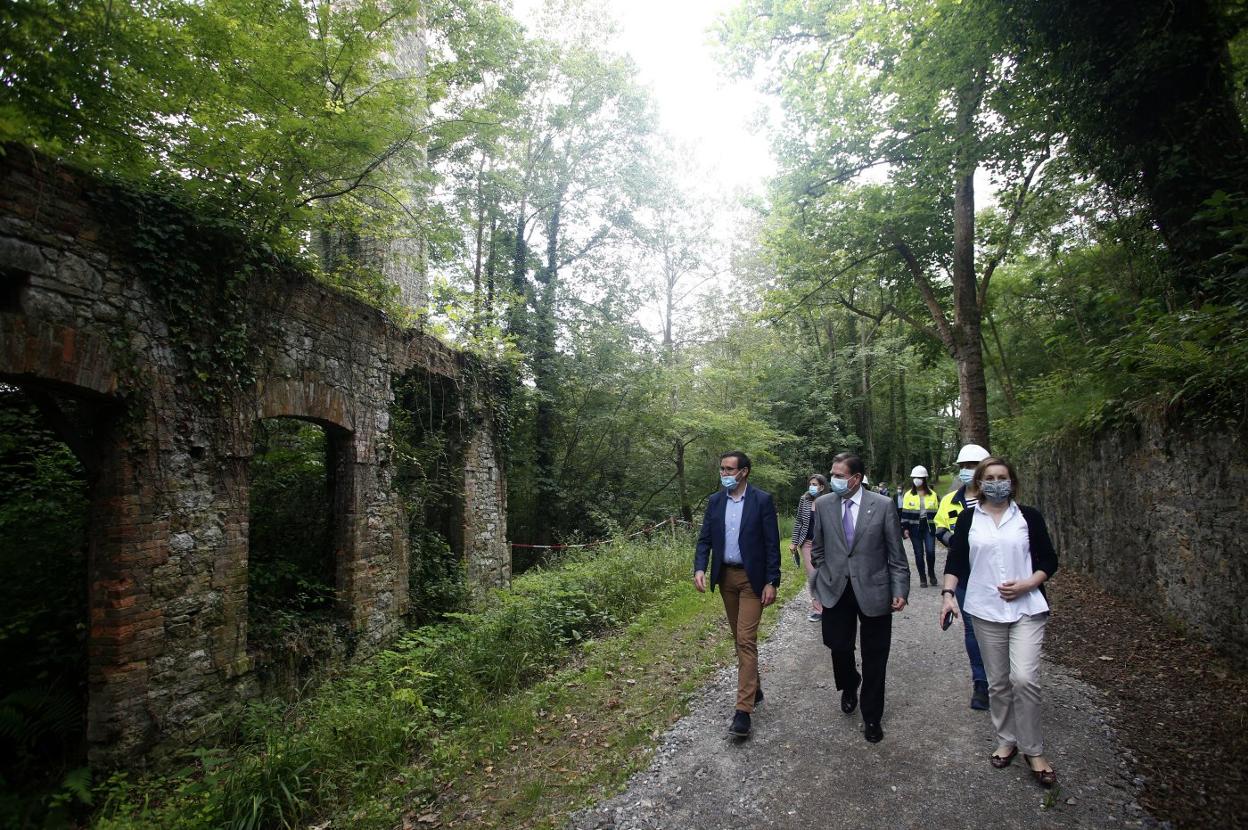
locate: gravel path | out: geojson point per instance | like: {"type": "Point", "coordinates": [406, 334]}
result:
{"type": "Point", "coordinates": [807, 765]}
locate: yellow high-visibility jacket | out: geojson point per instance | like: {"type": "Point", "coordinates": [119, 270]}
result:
{"type": "Point", "coordinates": [947, 514]}
{"type": "Point", "coordinates": [912, 503]}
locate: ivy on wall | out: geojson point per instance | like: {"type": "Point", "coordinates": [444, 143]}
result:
{"type": "Point", "coordinates": [198, 269]}
{"type": "Point", "coordinates": [428, 431]}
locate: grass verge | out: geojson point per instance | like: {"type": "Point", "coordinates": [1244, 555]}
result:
{"type": "Point", "coordinates": [575, 738]}
{"type": "Point", "coordinates": [513, 716]}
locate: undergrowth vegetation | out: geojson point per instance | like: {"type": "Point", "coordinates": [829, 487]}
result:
{"type": "Point", "coordinates": [1193, 361]}
{"type": "Point", "coordinates": [283, 764]}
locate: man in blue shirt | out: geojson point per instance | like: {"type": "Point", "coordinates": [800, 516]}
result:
{"type": "Point", "coordinates": [740, 542]}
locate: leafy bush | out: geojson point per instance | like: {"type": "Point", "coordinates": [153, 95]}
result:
{"type": "Point", "coordinates": [1193, 361]}
{"type": "Point", "coordinates": [428, 434]}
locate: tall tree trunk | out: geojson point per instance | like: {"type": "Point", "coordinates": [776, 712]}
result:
{"type": "Point", "coordinates": [830, 328]}
{"type": "Point", "coordinates": [904, 422]}
{"type": "Point", "coordinates": [682, 486]}
{"type": "Point", "coordinates": [967, 342]}
{"type": "Point", "coordinates": [480, 244]}
{"type": "Point", "coordinates": [1007, 382]}
{"type": "Point", "coordinates": [490, 264]}
{"type": "Point", "coordinates": [867, 411]}
{"type": "Point", "coordinates": [519, 273]}
{"type": "Point", "coordinates": [544, 380]}
{"type": "Point", "coordinates": [893, 462]}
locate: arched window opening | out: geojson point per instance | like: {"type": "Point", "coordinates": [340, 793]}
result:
{"type": "Point", "coordinates": [293, 615]}
{"type": "Point", "coordinates": [44, 517]}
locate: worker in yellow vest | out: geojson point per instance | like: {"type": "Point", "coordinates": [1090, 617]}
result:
{"type": "Point", "coordinates": [946, 515]}
{"type": "Point", "coordinates": [918, 517]}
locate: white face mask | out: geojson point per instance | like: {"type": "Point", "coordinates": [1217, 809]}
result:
{"type": "Point", "coordinates": [918, 482]}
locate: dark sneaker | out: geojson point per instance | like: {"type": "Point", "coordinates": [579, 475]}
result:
{"type": "Point", "coordinates": [979, 698]}
{"type": "Point", "coordinates": [922, 582]}
{"type": "Point", "coordinates": [872, 732]}
{"type": "Point", "coordinates": [814, 616]}
{"type": "Point", "coordinates": [740, 727]}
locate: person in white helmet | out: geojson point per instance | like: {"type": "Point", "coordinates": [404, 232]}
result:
{"type": "Point", "coordinates": [918, 516]}
{"type": "Point", "coordinates": [960, 498]}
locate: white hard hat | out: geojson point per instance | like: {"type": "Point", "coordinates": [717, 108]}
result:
{"type": "Point", "coordinates": [919, 472]}
{"type": "Point", "coordinates": [973, 453]}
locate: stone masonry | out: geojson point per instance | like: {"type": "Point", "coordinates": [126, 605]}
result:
{"type": "Point", "coordinates": [168, 472]}
{"type": "Point", "coordinates": [1155, 513]}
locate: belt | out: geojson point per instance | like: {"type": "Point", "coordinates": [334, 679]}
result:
{"type": "Point", "coordinates": [733, 565]}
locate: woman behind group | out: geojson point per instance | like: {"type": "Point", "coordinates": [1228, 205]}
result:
{"type": "Point", "coordinates": [803, 532]}
{"type": "Point", "coordinates": [1002, 551]}
{"type": "Point", "coordinates": [918, 512]}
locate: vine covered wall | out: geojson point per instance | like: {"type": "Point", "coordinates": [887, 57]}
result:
{"type": "Point", "coordinates": [168, 338]}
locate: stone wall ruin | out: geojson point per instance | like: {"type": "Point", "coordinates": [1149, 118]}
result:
{"type": "Point", "coordinates": [168, 464]}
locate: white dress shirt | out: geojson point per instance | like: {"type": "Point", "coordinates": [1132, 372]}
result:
{"type": "Point", "coordinates": [1000, 554]}
{"type": "Point", "coordinates": [733, 508]}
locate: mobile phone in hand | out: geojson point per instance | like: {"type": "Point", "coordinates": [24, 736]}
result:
{"type": "Point", "coordinates": [946, 621]}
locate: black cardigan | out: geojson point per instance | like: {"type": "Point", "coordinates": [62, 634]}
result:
{"type": "Point", "coordinates": [1043, 556]}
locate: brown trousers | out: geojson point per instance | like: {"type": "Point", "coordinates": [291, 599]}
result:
{"type": "Point", "coordinates": [744, 609]}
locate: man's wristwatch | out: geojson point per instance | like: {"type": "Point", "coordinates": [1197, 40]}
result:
{"type": "Point", "coordinates": [948, 591]}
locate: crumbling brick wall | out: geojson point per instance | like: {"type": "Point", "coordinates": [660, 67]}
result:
{"type": "Point", "coordinates": [169, 468]}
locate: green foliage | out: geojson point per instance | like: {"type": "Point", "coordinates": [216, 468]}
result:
{"type": "Point", "coordinates": [43, 519]}
{"type": "Point", "coordinates": [290, 559]}
{"type": "Point", "coordinates": [292, 622]}
{"type": "Point", "coordinates": [1148, 100]}
{"type": "Point", "coordinates": [1192, 362]}
{"type": "Point", "coordinates": [260, 109]}
{"type": "Point", "coordinates": [354, 735]}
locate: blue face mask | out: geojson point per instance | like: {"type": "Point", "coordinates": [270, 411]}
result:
{"type": "Point", "coordinates": [813, 489]}
{"type": "Point", "coordinates": [839, 485]}
{"type": "Point", "coordinates": [966, 476]}
{"type": "Point", "coordinates": [728, 481]}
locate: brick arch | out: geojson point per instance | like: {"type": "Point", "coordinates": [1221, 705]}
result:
{"type": "Point", "coordinates": [317, 402]}
{"type": "Point", "coordinates": [310, 400]}
{"type": "Point", "coordinates": [41, 351]}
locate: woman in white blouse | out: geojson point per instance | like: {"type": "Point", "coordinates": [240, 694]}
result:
{"type": "Point", "coordinates": [1003, 551]}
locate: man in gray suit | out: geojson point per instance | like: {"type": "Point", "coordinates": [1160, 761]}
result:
{"type": "Point", "coordinates": [861, 574]}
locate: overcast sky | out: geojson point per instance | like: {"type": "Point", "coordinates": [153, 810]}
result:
{"type": "Point", "coordinates": [698, 104]}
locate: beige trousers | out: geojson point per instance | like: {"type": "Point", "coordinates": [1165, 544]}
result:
{"type": "Point", "coordinates": [744, 609]}
{"type": "Point", "coordinates": [1011, 654]}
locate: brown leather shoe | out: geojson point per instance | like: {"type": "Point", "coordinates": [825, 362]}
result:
{"type": "Point", "coordinates": [1003, 761]}
{"type": "Point", "coordinates": [1046, 777]}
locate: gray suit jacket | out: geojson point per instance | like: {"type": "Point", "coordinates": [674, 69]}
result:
{"type": "Point", "coordinates": [876, 565]}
